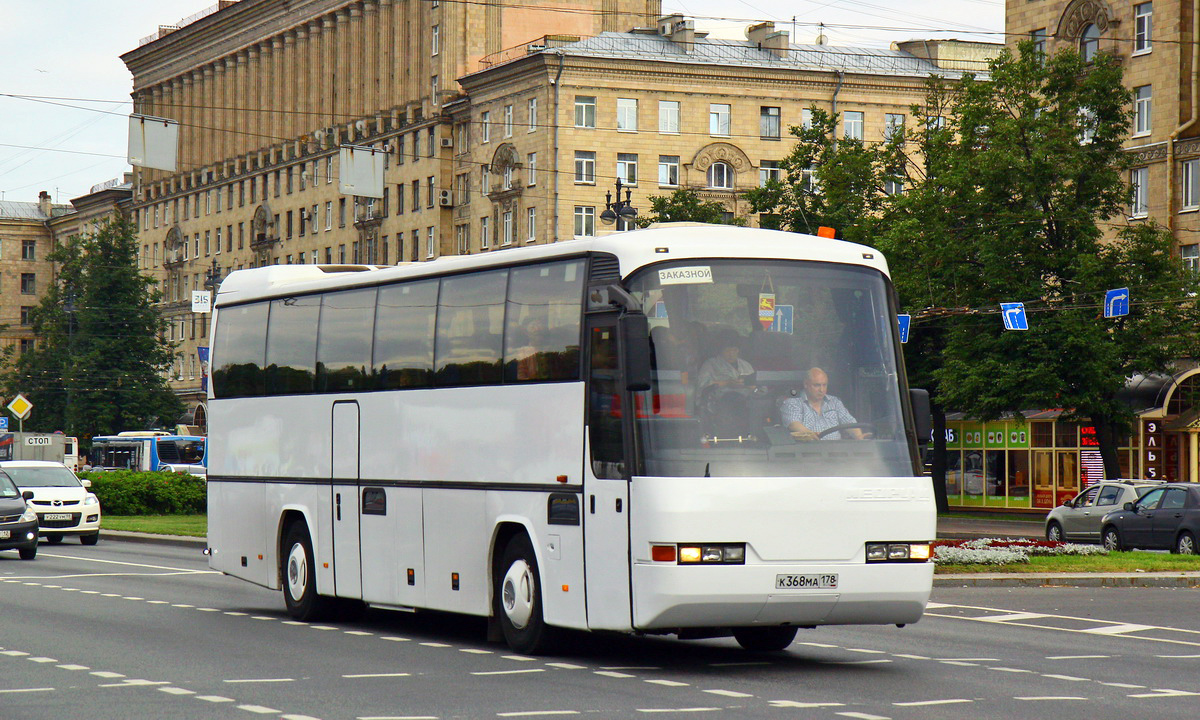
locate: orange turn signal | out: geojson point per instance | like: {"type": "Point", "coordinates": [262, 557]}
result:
{"type": "Point", "coordinates": [662, 553]}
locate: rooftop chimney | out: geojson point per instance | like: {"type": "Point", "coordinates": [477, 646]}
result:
{"type": "Point", "coordinates": [679, 30]}
{"type": "Point", "coordinates": [44, 203]}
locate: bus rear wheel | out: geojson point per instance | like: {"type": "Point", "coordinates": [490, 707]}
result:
{"type": "Point", "coordinates": [517, 596]}
{"type": "Point", "coordinates": [764, 639]}
{"type": "Point", "coordinates": [299, 577]}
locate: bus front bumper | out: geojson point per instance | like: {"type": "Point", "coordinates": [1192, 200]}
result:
{"type": "Point", "coordinates": [669, 596]}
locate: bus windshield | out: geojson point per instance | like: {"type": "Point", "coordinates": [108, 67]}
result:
{"type": "Point", "coordinates": [770, 368]}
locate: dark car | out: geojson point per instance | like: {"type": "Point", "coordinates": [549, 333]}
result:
{"type": "Point", "coordinates": [18, 523]}
{"type": "Point", "coordinates": [1166, 518]}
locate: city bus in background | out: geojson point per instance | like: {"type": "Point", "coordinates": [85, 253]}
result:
{"type": "Point", "coordinates": [520, 435]}
{"type": "Point", "coordinates": [149, 451]}
{"type": "Point", "coordinates": [71, 453]}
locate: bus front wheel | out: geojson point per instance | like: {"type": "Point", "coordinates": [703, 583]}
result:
{"type": "Point", "coordinates": [518, 599]}
{"type": "Point", "coordinates": [299, 577]}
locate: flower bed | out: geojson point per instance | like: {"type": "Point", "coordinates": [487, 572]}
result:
{"type": "Point", "coordinates": [996, 551]}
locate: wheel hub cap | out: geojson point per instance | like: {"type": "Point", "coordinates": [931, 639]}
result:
{"type": "Point", "coordinates": [297, 572]}
{"type": "Point", "coordinates": [517, 594]}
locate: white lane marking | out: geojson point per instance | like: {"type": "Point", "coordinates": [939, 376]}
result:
{"type": "Point", "coordinates": [214, 698]}
{"type": "Point", "coordinates": [668, 683]}
{"type": "Point", "coordinates": [25, 690]}
{"type": "Point", "coordinates": [82, 558]}
{"type": "Point", "coordinates": [68, 666]}
{"type": "Point", "coordinates": [678, 710]}
{"type": "Point", "coordinates": [1037, 698]}
{"type": "Point", "coordinates": [537, 713]}
{"type": "Point", "coordinates": [612, 674]}
{"type": "Point", "coordinates": [132, 597]}
{"type": "Point", "coordinates": [259, 709]}
{"type": "Point", "coordinates": [394, 639]}
{"type": "Point", "coordinates": [794, 704]}
{"type": "Point", "coordinates": [1011, 670]}
{"type": "Point", "coordinates": [234, 613]}
{"type": "Point", "coordinates": [136, 682]}
{"type": "Point", "coordinates": [1114, 627]}
{"type": "Point", "coordinates": [298, 717]}
{"type": "Point", "coordinates": [1127, 686]}
{"type": "Point", "coordinates": [566, 666]}
{"type": "Point", "coordinates": [14, 653]}
{"type": "Point", "coordinates": [817, 644]}
{"type": "Point", "coordinates": [158, 602]}
{"type": "Point", "coordinates": [89, 592]}
{"type": "Point", "coordinates": [863, 716]}
{"type": "Point", "coordinates": [475, 651]}
{"type": "Point", "coordinates": [260, 680]}
{"type": "Point", "coordinates": [106, 674]}
{"type": "Point", "coordinates": [361, 633]}
{"type": "Point", "coordinates": [1178, 657]}
{"type": "Point", "coordinates": [42, 660]}
{"type": "Point", "coordinates": [1117, 629]}
{"type": "Point", "coordinates": [435, 644]}
{"type": "Point", "coordinates": [262, 617]}
{"type": "Point", "coordinates": [912, 657]}
{"type": "Point", "coordinates": [976, 660]}
{"type": "Point", "coordinates": [182, 605]}
{"type": "Point", "coordinates": [378, 675]}
{"type": "Point", "coordinates": [1079, 657]}
{"type": "Point", "coordinates": [959, 663]}
{"type": "Point", "coordinates": [294, 622]}
{"type": "Point", "coordinates": [729, 693]}
{"type": "Point", "coordinates": [921, 703]}
{"type": "Point", "coordinates": [936, 605]}
{"type": "Point", "coordinates": [1165, 692]}
{"type": "Point", "coordinates": [866, 650]}
{"type": "Point", "coordinates": [519, 658]}
{"type": "Point", "coordinates": [109, 595]}
{"type": "Point", "coordinates": [322, 627]}
{"type": "Point", "coordinates": [1011, 617]}
{"type": "Point", "coordinates": [1071, 678]}
{"type": "Point", "coordinates": [172, 690]}
{"type": "Point", "coordinates": [399, 717]}
{"type": "Point", "coordinates": [208, 609]}
{"type": "Point", "coordinates": [510, 672]}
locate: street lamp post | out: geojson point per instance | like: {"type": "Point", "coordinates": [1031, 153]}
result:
{"type": "Point", "coordinates": [618, 209]}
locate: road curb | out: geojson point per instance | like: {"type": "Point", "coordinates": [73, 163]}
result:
{"type": "Point", "coordinates": [1138, 580]}
{"type": "Point", "coordinates": [138, 537]}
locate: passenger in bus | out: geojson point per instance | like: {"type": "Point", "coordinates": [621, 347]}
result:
{"type": "Point", "coordinates": [726, 370]}
{"type": "Point", "coordinates": [817, 411]}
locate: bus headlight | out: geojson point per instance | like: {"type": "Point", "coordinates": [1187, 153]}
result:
{"type": "Point", "coordinates": [723, 554]}
{"type": "Point", "coordinates": [897, 552]}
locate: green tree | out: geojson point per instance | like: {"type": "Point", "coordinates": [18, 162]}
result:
{"type": "Point", "coordinates": [100, 357]}
{"type": "Point", "coordinates": [685, 205]}
{"type": "Point", "coordinates": [1010, 183]}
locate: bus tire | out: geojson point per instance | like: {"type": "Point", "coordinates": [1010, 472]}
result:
{"type": "Point", "coordinates": [517, 597]}
{"type": "Point", "coordinates": [764, 639]}
{"type": "Point", "coordinates": [299, 577]}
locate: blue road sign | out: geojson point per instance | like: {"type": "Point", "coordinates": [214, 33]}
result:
{"type": "Point", "coordinates": [904, 321]}
{"type": "Point", "coordinates": [784, 317]}
{"type": "Point", "coordinates": [1116, 302]}
{"type": "Point", "coordinates": [1014, 316]}
{"type": "Point", "coordinates": [3, 423]}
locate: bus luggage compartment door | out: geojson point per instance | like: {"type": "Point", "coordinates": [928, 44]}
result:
{"type": "Point", "coordinates": [347, 570]}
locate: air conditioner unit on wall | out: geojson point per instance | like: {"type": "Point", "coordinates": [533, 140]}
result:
{"type": "Point", "coordinates": [445, 199]}
{"type": "Point", "coordinates": [447, 142]}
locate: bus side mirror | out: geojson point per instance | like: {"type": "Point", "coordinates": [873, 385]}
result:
{"type": "Point", "coordinates": [635, 350]}
{"type": "Point", "coordinates": [919, 399]}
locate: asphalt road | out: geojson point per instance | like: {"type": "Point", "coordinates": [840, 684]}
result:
{"type": "Point", "coordinates": [127, 631]}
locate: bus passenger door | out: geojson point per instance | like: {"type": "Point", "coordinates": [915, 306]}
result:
{"type": "Point", "coordinates": [347, 572]}
{"type": "Point", "coordinates": [605, 487]}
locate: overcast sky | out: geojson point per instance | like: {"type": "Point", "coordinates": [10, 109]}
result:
{"type": "Point", "coordinates": [68, 53]}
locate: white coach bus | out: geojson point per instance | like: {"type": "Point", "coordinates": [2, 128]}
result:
{"type": "Point", "coordinates": [547, 437]}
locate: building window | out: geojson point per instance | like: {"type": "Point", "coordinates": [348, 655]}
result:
{"type": "Point", "coordinates": [769, 170]}
{"type": "Point", "coordinates": [718, 119]}
{"type": "Point", "coordinates": [627, 168]}
{"type": "Point", "coordinates": [485, 233]}
{"type": "Point", "coordinates": [852, 125]}
{"type": "Point", "coordinates": [485, 126]}
{"type": "Point", "coordinates": [29, 249]}
{"type": "Point", "coordinates": [1191, 184]}
{"type": "Point", "coordinates": [585, 221]}
{"type": "Point", "coordinates": [668, 170]}
{"type": "Point", "coordinates": [1139, 181]}
{"type": "Point", "coordinates": [1039, 40]}
{"type": "Point", "coordinates": [1190, 254]}
{"type": "Point", "coordinates": [461, 233]}
{"type": "Point", "coordinates": [1142, 27]}
{"type": "Point", "coordinates": [531, 224]}
{"type": "Point", "coordinates": [627, 109]}
{"type": "Point", "coordinates": [329, 215]}
{"type": "Point", "coordinates": [507, 175]}
{"type": "Point", "coordinates": [585, 111]}
{"type": "Point", "coordinates": [485, 179]}
{"type": "Point", "coordinates": [893, 186]}
{"type": "Point", "coordinates": [531, 169]}
{"type": "Point", "coordinates": [28, 284]}
{"type": "Point", "coordinates": [1141, 110]}
{"type": "Point", "coordinates": [429, 242]}
{"type": "Point", "coordinates": [720, 176]}
{"type": "Point", "coordinates": [893, 125]}
{"type": "Point", "coordinates": [430, 190]}
{"type": "Point", "coordinates": [768, 123]}
{"type": "Point", "coordinates": [434, 40]}
{"type": "Point", "coordinates": [533, 115]}
{"type": "Point", "coordinates": [25, 310]}
{"type": "Point", "coordinates": [431, 142]}
{"type": "Point", "coordinates": [508, 227]}
{"type": "Point", "coordinates": [433, 88]}
{"type": "Point", "coordinates": [806, 118]}
{"type": "Point", "coordinates": [585, 166]}
{"type": "Point", "coordinates": [1089, 43]}
{"type": "Point", "coordinates": [508, 121]}
{"type": "Point", "coordinates": [668, 116]}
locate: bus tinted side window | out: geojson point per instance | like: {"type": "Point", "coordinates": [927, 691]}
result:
{"type": "Point", "coordinates": [240, 350]}
{"type": "Point", "coordinates": [344, 341]}
{"type": "Point", "coordinates": [292, 345]}
{"type": "Point", "coordinates": [470, 328]}
{"type": "Point", "coordinates": [542, 322]}
{"type": "Point", "coordinates": [404, 320]}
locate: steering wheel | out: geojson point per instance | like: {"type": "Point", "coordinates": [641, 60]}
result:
{"type": "Point", "coordinates": [845, 426]}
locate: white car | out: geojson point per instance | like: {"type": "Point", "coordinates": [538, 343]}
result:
{"type": "Point", "coordinates": [63, 504]}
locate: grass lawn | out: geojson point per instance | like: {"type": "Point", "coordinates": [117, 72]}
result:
{"type": "Point", "coordinates": [1122, 562]}
{"type": "Point", "coordinates": [194, 525]}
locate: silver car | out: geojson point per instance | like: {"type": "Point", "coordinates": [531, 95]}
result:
{"type": "Point", "coordinates": [1078, 519]}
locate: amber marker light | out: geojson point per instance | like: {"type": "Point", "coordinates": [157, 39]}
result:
{"type": "Point", "coordinates": [689, 554]}
{"type": "Point", "coordinates": [918, 551]}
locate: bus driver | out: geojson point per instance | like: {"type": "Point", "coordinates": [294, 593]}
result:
{"type": "Point", "coordinates": [817, 411]}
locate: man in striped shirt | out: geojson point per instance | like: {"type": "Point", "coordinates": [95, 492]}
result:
{"type": "Point", "coordinates": [817, 411]}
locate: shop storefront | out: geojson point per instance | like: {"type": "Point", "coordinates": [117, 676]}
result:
{"type": "Point", "coordinates": [1041, 460]}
